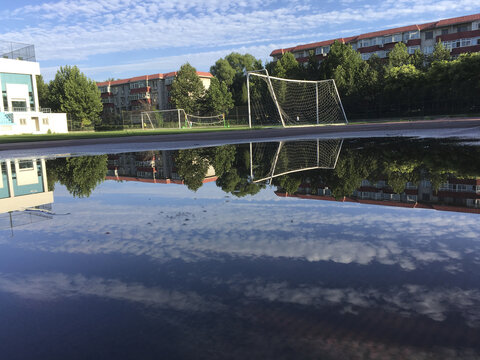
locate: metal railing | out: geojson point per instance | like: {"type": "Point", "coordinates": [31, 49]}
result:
{"type": "Point", "coordinates": [18, 109]}
{"type": "Point", "coordinates": [17, 51]}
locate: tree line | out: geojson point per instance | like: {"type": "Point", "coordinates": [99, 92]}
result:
{"type": "Point", "coordinates": [401, 85]}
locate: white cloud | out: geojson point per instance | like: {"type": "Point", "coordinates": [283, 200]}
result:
{"type": "Point", "coordinates": [55, 286]}
{"type": "Point", "coordinates": [409, 299]}
{"type": "Point", "coordinates": [77, 30]}
{"type": "Point", "coordinates": [345, 233]}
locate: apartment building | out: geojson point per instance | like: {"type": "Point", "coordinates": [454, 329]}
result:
{"type": "Point", "coordinates": [147, 92]}
{"type": "Point", "coordinates": [459, 35]}
{"type": "Point", "coordinates": [20, 110]}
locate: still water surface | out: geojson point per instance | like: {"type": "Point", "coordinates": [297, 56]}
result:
{"type": "Point", "coordinates": [329, 249]}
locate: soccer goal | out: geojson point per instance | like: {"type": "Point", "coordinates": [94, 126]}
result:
{"type": "Point", "coordinates": [289, 103]}
{"type": "Point", "coordinates": [272, 159]}
{"type": "Point", "coordinates": [205, 121]}
{"type": "Point", "coordinates": [158, 119]}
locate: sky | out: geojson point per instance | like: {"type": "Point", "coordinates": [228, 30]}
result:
{"type": "Point", "coordinates": [124, 38]}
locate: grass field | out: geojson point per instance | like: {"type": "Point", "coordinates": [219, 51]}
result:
{"type": "Point", "coordinates": [107, 134]}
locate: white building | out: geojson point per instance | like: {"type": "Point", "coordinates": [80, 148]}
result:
{"type": "Point", "coordinates": [24, 194]}
{"type": "Point", "coordinates": [20, 112]}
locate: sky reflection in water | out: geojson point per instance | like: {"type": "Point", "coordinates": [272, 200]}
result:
{"type": "Point", "coordinates": [138, 270]}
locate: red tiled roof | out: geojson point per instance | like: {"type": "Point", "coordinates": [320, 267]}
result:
{"type": "Point", "coordinates": [148, 77]}
{"type": "Point", "coordinates": [430, 25]}
{"type": "Point", "coordinates": [156, 181]}
{"type": "Point", "coordinates": [457, 20]}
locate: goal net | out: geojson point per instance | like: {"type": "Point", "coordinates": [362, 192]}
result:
{"type": "Point", "coordinates": [273, 159]}
{"type": "Point", "coordinates": [159, 119]}
{"type": "Point", "coordinates": [286, 102]}
{"type": "Point", "coordinates": [205, 121]}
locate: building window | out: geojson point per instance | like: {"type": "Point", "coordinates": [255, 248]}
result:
{"type": "Point", "coordinates": [45, 121]}
{"type": "Point", "coordinates": [413, 35]}
{"type": "Point", "coordinates": [25, 165]}
{"type": "Point", "coordinates": [411, 49]}
{"type": "Point", "coordinates": [23, 121]}
{"type": "Point", "coordinates": [465, 42]}
{"type": "Point", "coordinates": [428, 50]}
{"type": "Point", "coordinates": [462, 28]}
{"type": "Point", "coordinates": [444, 31]}
{"type": "Point", "coordinates": [429, 35]}
{"type": "Point", "coordinates": [366, 56]}
{"type": "Point", "coordinates": [397, 37]}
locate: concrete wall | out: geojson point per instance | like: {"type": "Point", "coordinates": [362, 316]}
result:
{"type": "Point", "coordinates": [36, 123]}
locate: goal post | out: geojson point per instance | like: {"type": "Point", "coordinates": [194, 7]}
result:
{"type": "Point", "coordinates": [205, 121]}
{"type": "Point", "coordinates": [292, 103]}
{"type": "Point", "coordinates": [159, 119]}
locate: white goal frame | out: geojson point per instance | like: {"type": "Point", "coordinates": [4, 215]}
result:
{"type": "Point", "coordinates": [318, 165]}
{"type": "Point", "coordinates": [274, 97]}
{"type": "Point", "coordinates": [146, 119]}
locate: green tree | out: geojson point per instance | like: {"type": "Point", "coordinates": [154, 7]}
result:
{"type": "Point", "coordinates": [312, 72]}
{"type": "Point", "coordinates": [440, 53]}
{"type": "Point", "coordinates": [42, 91]}
{"type": "Point", "coordinates": [399, 55]}
{"type": "Point", "coordinates": [192, 166]}
{"type": "Point", "coordinates": [418, 59]}
{"type": "Point", "coordinates": [187, 90]}
{"type": "Point", "coordinates": [232, 70]}
{"type": "Point", "coordinates": [218, 99]}
{"type": "Point", "coordinates": [75, 94]}
{"type": "Point", "coordinates": [80, 175]}
{"type": "Point", "coordinates": [346, 66]}
{"type": "Point", "coordinates": [286, 67]}
{"type": "Point", "coordinates": [223, 71]}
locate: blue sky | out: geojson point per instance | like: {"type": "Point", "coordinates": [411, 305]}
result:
{"type": "Point", "coordinates": [123, 38]}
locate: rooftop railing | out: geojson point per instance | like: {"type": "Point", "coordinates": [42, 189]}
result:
{"type": "Point", "coordinates": [17, 51]}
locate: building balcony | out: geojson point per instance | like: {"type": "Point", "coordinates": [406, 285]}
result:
{"type": "Point", "coordinates": [465, 49]}
{"type": "Point", "coordinates": [140, 101]}
{"type": "Point", "coordinates": [17, 109]}
{"type": "Point", "coordinates": [106, 95]}
{"type": "Point", "coordinates": [145, 89]}
{"type": "Point", "coordinates": [459, 35]}
{"type": "Point", "coordinates": [413, 42]}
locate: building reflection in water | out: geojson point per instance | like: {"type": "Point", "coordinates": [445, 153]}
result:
{"type": "Point", "coordinates": [149, 166]}
{"type": "Point", "coordinates": [277, 160]}
{"type": "Point", "coordinates": [24, 195]}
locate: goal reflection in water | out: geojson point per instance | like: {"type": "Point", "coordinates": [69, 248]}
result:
{"type": "Point", "coordinates": [150, 269]}
{"type": "Point", "coordinates": [273, 159]}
